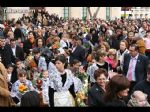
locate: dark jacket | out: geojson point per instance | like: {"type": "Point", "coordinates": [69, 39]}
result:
{"type": "Point", "coordinates": [20, 53]}
{"type": "Point", "coordinates": [79, 54]}
{"type": "Point", "coordinates": [143, 86]}
{"type": "Point", "coordinates": [115, 42]}
{"type": "Point", "coordinates": [14, 76]}
{"type": "Point", "coordinates": [95, 96]}
{"type": "Point", "coordinates": [116, 103]}
{"type": "Point", "coordinates": [27, 47]}
{"type": "Point", "coordinates": [18, 33]}
{"type": "Point", "coordinates": [140, 69]}
{"type": "Point", "coordinates": [7, 55]}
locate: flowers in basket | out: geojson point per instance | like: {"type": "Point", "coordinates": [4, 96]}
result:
{"type": "Point", "coordinates": [22, 88]}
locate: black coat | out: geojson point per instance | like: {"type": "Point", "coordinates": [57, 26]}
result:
{"type": "Point", "coordinates": [143, 86]}
{"type": "Point", "coordinates": [18, 33]}
{"type": "Point", "coordinates": [27, 46]}
{"type": "Point", "coordinates": [7, 55]}
{"type": "Point", "coordinates": [115, 42]}
{"type": "Point", "coordinates": [95, 96]}
{"type": "Point", "coordinates": [116, 103]}
{"type": "Point", "coordinates": [79, 54]}
{"type": "Point", "coordinates": [19, 53]}
{"type": "Point", "coordinates": [140, 69]}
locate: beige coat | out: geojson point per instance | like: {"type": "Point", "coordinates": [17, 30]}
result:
{"type": "Point", "coordinates": [4, 92]}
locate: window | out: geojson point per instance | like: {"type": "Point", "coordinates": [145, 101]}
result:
{"type": "Point", "coordinates": [107, 13]}
{"type": "Point", "coordinates": [66, 12]}
{"type": "Point", "coordinates": [84, 13]}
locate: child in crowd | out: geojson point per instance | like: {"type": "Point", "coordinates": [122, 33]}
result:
{"type": "Point", "coordinates": [45, 85]}
{"type": "Point", "coordinates": [138, 99]}
{"type": "Point", "coordinates": [21, 86]}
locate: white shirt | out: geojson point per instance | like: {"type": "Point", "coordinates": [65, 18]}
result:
{"type": "Point", "coordinates": [63, 43]}
{"type": "Point", "coordinates": [134, 59]}
{"type": "Point", "coordinates": [73, 49]}
{"type": "Point", "coordinates": [142, 32]}
{"type": "Point", "coordinates": [14, 51]}
{"type": "Point", "coordinates": [9, 77]}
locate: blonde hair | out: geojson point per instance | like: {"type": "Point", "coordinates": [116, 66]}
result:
{"type": "Point", "coordinates": [113, 52]}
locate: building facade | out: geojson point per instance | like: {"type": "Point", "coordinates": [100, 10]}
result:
{"type": "Point", "coordinates": [68, 12]}
{"type": "Point", "coordinates": [140, 12]}
{"type": "Point", "coordinates": [136, 12]}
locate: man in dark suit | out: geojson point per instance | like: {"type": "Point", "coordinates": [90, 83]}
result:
{"type": "Point", "coordinates": [77, 51]}
{"type": "Point", "coordinates": [6, 53]}
{"type": "Point", "coordinates": [17, 51]}
{"type": "Point", "coordinates": [135, 65]}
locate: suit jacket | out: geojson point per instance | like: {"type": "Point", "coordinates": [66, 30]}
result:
{"type": "Point", "coordinates": [79, 54]}
{"type": "Point", "coordinates": [19, 53]}
{"type": "Point", "coordinates": [140, 68]}
{"type": "Point", "coordinates": [14, 76]}
{"type": "Point", "coordinates": [116, 103]}
{"type": "Point", "coordinates": [95, 96]}
{"type": "Point", "coordinates": [4, 92]}
{"type": "Point", "coordinates": [7, 55]}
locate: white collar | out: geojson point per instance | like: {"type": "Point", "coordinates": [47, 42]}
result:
{"type": "Point", "coordinates": [14, 47]}
{"type": "Point", "coordinates": [136, 57]}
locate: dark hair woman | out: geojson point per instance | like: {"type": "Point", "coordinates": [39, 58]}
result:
{"type": "Point", "coordinates": [61, 89]}
{"type": "Point", "coordinates": [97, 91]}
{"type": "Point", "coordinates": [40, 43]}
{"type": "Point", "coordinates": [116, 90]}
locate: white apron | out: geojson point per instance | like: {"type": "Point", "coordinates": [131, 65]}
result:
{"type": "Point", "coordinates": [63, 99]}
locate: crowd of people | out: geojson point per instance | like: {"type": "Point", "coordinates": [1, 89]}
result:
{"type": "Point", "coordinates": [47, 60]}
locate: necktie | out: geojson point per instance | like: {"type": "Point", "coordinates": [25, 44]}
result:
{"type": "Point", "coordinates": [130, 70]}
